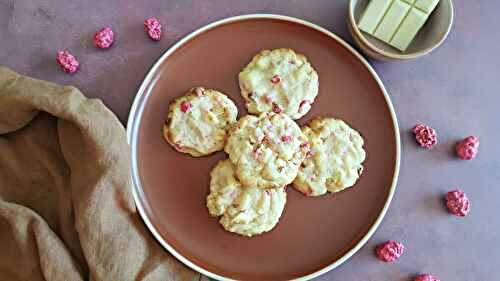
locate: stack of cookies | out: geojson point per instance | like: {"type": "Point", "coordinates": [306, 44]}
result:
{"type": "Point", "coordinates": [267, 149]}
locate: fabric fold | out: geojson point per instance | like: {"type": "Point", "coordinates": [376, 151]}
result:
{"type": "Point", "coordinates": [66, 207]}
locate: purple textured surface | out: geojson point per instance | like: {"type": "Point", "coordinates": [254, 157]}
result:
{"type": "Point", "coordinates": [455, 90]}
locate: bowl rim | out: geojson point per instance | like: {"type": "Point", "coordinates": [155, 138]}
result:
{"type": "Point", "coordinates": [367, 44]}
{"type": "Point", "coordinates": [144, 90]}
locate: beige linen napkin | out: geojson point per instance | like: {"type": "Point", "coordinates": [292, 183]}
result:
{"type": "Point", "coordinates": [66, 208]}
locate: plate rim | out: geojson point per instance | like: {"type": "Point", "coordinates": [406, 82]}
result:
{"type": "Point", "coordinates": [143, 92]}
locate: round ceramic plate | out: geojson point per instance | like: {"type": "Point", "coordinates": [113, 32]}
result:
{"type": "Point", "coordinates": [314, 235]}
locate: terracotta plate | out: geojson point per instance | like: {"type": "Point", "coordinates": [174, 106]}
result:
{"type": "Point", "coordinates": [314, 234]}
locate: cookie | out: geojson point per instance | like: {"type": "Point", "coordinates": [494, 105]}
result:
{"type": "Point", "coordinates": [280, 81]}
{"type": "Point", "coordinates": [246, 211]}
{"type": "Point", "coordinates": [335, 160]}
{"type": "Point", "coordinates": [198, 122]}
{"type": "Point", "coordinates": [266, 150]}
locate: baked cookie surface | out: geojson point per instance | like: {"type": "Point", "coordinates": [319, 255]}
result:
{"type": "Point", "coordinates": [281, 81]}
{"type": "Point", "coordinates": [335, 160]}
{"type": "Point", "coordinates": [266, 150]}
{"type": "Point", "coordinates": [197, 123]}
{"type": "Point", "coordinates": [246, 211]}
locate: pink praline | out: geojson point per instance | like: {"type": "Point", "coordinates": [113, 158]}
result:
{"type": "Point", "coordinates": [67, 61]}
{"type": "Point", "coordinates": [457, 203]}
{"type": "Point", "coordinates": [104, 38]}
{"type": "Point", "coordinates": [389, 251]}
{"type": "Point", "coordinates": [153, 28]}
{"type": "Point", "coordinates": [467, 148]}
{"type": "Point", "coordinates": [425, 136]}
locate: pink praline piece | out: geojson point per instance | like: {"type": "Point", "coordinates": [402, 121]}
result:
{"type": "Point", "coordinates": [425, 136]}
{"type": "Point", "coordinates": [153, 28]}
{"type": "Point", "coordinates": [457, 203]}
{"type": "Point", "coordinates": [104, 38]}
{"type": "Point", "coordinates": [390, 251]}
{"type": "Point", "coordinates": [185, 106]}
{"type": "Point", "coordinates": [67, 61]}
{"type": "Point", "coordinates": [467, 148]}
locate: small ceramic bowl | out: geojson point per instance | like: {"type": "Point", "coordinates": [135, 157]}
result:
{"type": "Point", "coordinates": [432, 34]}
